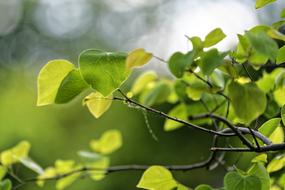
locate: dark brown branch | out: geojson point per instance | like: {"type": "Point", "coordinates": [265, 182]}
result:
{"type": "Point", "coordinates": [160, 113]}
{"type": "Point", "coordinates": [122, 168]}
{"type": "Point", "coordinates": [267, 148]}
{"type": "Point", "coordinates": [229, 124]}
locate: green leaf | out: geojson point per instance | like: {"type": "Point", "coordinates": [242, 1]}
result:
{"type": "Point", "coordinates": [97, 103]}
{"type": "Point", "coordinates": [50, 78]}
{"type": "Point", "coordinates": [203, 187]}
{"type": "Point", "coordinates": [179, 111]}
{"type": "Point", "coordinates": [137, 57]}
{"type": "Point", "coordinates": [259, 171]}
{"type": "Point", "coordinates": [3, 171]}
{"type": "Point", "coordinates": [110, 141]}
{"type": "Point", "coordinates": [281, 55]}
{"type": "Point", "coordinates": [72, 85]}
{"type": "Point", "coordinates": [236, 181]}
{"type": "Point", "coordinates": [262, 3]}
{"type": "Point", "coordinates": [210, 61]}
{"type": "Point", "coordinates": [142, 81]}
{"type": "Point", "coordinates": [197, 44]}
{"type": "Point", "coordinates": [242, 51]}
{"type": "Point", "coordinates": [157, 178]}
{"type": "Point", "coordinates": [282, 13]}
{"type": "Point", "coordinates": [179, 62]}
{"type": "Point", "coordinates": [263, 44]}
{"type": "Point", "coordinates": [156, 95]}
{"type": "Point", "coordinates": [276, 164]}
{"type": "Point", "coordinates": [247, 100]}
{"type": "Point", "coordinates": [269, 126]}
{"type": "Point", "coordinates": [6, 185]}
{"type": "Point", "coordinates": [283, 114]}
{"type": "Point", "coordinates": [104, 71]}
{"type": "Point", "coordinates": [214, 37]}
{"type": "Point", "coordinates": [14, 154]}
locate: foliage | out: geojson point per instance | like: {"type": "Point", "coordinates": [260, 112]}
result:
{"type": "Point", "coordinates": [230, 92]}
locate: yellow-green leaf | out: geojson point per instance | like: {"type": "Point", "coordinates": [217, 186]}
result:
{"type": "Point", "coordinates": [110, 141]}
{"type": "Point", "coordinates": [214, 37]}
{"type": "Point", "coordinates": [137, 57]}
{"type": "Point", "coordinates": [260, 158]}
{"type": "Point", "coordinates": [277, 136]}
{"type": "Point", "coordinates": [50, 78]}
{"type": "Point", "coordinates": [97, 103]}
{"type": "Point", "coordinates": [276, 164]}
{"type": "Point", "coordinates": [66, 181]}
{"type": "Point", "coordinates": [14, 154]}
{"type": "Point", "coordinates": [157, 178]}
{"type": "Point", "coordinates": [3, 171]}
{"type": "Point", "coordinates": [269, 126]}
{"type": "Point", "coordinates": [101, 165]}
{"type": "Point", "coordinates": [279, 96]}
{"type": "Point", "coordinates": [280, 55]}
{"type": "Point", "coordinates": [262, 3]}
{"type": "Point", "coordinates": [64, 166]}
{"type": "Point", "coordinates": [48, 173]}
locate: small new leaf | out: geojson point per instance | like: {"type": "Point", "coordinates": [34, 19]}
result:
{"type": "Point", "coordinates": [157, 178]}
{"type": "Point", "coordinates": [97, 103]}
{"type": "Point", "coordinates": [137, 58]}
{"type": "Point", "coordinates": [16, 153]}
{"type": "Point", "coordinates": [109, 142]}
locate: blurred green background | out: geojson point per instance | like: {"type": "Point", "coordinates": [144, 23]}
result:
{"type": "Point", "coordinates": [35, 31]}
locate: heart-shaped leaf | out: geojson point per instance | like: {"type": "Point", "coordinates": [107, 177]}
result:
{"type": "Point", "coordinates": [236, 181]}
{"type": "Point", "coordinates": [157, 178]}
{"type": "Point", "coordinates": [248, 100]}
{"type": "Point", "coordinates": [97, 103]}
{"type": "Point", "coordinates": [104, 71]}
